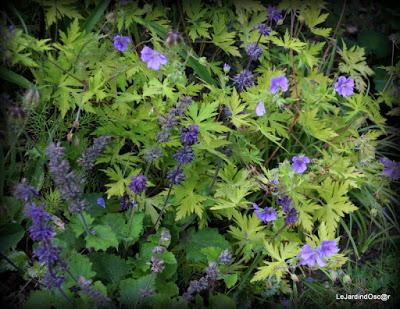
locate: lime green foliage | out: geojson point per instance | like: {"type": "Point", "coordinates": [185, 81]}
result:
{"type": "Point", "coordinates": [78, 86]}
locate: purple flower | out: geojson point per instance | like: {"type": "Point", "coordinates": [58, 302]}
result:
{"type": "Point", "coordinates": [40, 228]}
{"type": "Point", "coordinates": [176, 176]}
{"type": "Point", "coordinates": [182, 105]}
{"type": "Point", "coordinates": [152, 154]}
{"type": "Point", "coordinates": [286, 202]}
{"type": "Point", "coordinates": [53, 280]}
{"type": "Point", "coordinates": [69, 183]}
{"type": "Point", "coordinates": [189, 136]}
{"type": "Point", "coordinates": [267, 214]}
{"type": "Point", "coordinates": [196, 286]}
{"type": "Point", "coordinates": [101, 202]}
{"type": "Point", "coordinates": [185, 155]}
{"type": "Point", "coordinates": [121, 42]}
{"type": "Point", "coordinates": [163, 136]}
{"type": "Point", "coordinates": [138, 183]}
{"type": "Point", "coordinates": [126, 203]}
{"type": "Point", "coordinates": [243, 79]}
{"type": "Point", "coordinates": [260, 109]}
{"type": "Point", "coordinates": [274, 14]}
{"type": "Point", "coordinates": [24, 192]}
{"type": "Point", "coordinates": [279, 82]}
{"type": "Point", "coordinates": [212, 271]}
{"type": "Point", "coordinates": [390, 168]}
{"type": "Point", "coordinates": [158, 250]}
{"type": "Point", "coordinates": [344, 86]}
{"type": "Point", "coordinates": [153, 58]}
{"type": "Point", "coordinates": [328, 247]}
{"type": "Point", "coordinates": [227, 68]}
{"type": "Point", "coordinates": [157, 264]}
{"type": "Point", "coordinates": [165, 236]}
{"type": "Point", "coordinates": [311, 256]}
{"type": "Point", "coordinates": [263, 29]}
{"type": "Point", "coordinates": [253, 51]}
{"type": "Point", "coordinates": [46, 253]}
{"type": "Point", "coordinates": [168, 121]}
{"type": "Point", "coordinates": [300, 163]}
{"type": "Point", "coordinates": [146, 292]}
{"type": "Point", "coordinates": [225, 257]}
{"type": "Point", "coordinates": [94, 294]}
{"type": "Point", "coordinates": [88, 158]}
{"type": "Point", "coordinates": [291, 216]}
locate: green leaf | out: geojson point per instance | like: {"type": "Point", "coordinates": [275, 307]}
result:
{"type": "Point", "coordinates": [103, 239]}
{"type": "Point", "coordinates": [289, 43]}
{"type": "Point", "coordinates": [109, 267]}
{"type": "Point", "coordinates": [136, 227]}
{"type": "Point", "coordinates": [375, 42]}
{"type": "Point", "coordinates": [224, 39]}
{"type": "Point", "coordinates": [337, 203]}
{"type": "Point", "coordinates": [313, 17]}
{"type": "Point", "coordinates": [95, 16]}
{"type": "Point", "coordinates": [271, 268]}
{"type": "Point", "coordinates": [77, 225]}
{"type": "Point", "coordinates": [208, 237]}
{"type": "Point", "coordinates": [46, 299]}
{"type": "Point", "coordinates": [221, 301]}
{"type": "Point", "coordinates": [15, 78]}
{"type": "Point", "coordinates": [230, 280]}
{"type": "Point", "coordinates": [56, 10]}
{"type": "Point", "coordinates": [10, 235]}
{"type": "Point", "coordinates": [130, 289]}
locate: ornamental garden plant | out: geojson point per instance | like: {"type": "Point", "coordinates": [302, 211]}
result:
{"type": "Point", "coordinates": [193, 155]}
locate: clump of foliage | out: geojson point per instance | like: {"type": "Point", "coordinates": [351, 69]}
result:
{"type": "Point", "coordinates": [206, 155]}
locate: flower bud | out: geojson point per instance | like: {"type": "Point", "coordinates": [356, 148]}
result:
{"type": "Point", "coordinates": [173, 38]}
{"type": "Point", "coordinates": [294, 278]}
{"type": "Point", "coordinates": [31, 97]}
{"type": "Point", "coordinates": [346, 279]}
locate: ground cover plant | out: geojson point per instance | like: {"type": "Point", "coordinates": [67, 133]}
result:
{"type": "Point", "coordinates": [187, 155]}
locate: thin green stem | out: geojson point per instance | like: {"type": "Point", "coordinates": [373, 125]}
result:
{"type": "Point", "coordinates": [85, 226]}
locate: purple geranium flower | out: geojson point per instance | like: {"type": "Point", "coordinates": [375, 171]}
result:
{"type": "Point", "coordinates": [121, 42]}
{"type": "Point", "coordinates": [260, 109]}
{"type": "Point", "coordinates": [101, 202]}
{"type": "Point", "coordinates": [311, 256]}
{"type": "Point", "coordinates": [138, 183]}
{"type": "Point", "coordinates": [390, 168]}
{"type": "Point", "coordinates": [300, 163]}
{"type": "Point", "coordinates": [267, 214]}
{"type": "Point", "coordinates": [153, 58]}
{"type": "Point", "coordinates": [328, 247]}
{"type": "Point", "coordinates": [344, 86]}
{"type": "Point", "coordinates": [279, 82]}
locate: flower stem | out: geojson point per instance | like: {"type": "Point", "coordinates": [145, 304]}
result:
{"type": "Point", "coordinates": [85, 226]}
{"type": "Point", "coordinates": [279, 232]}
{"type": "Point", "coordinates": [219, 164]}
{"type": "Point", "coordinates": [165, 204]}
